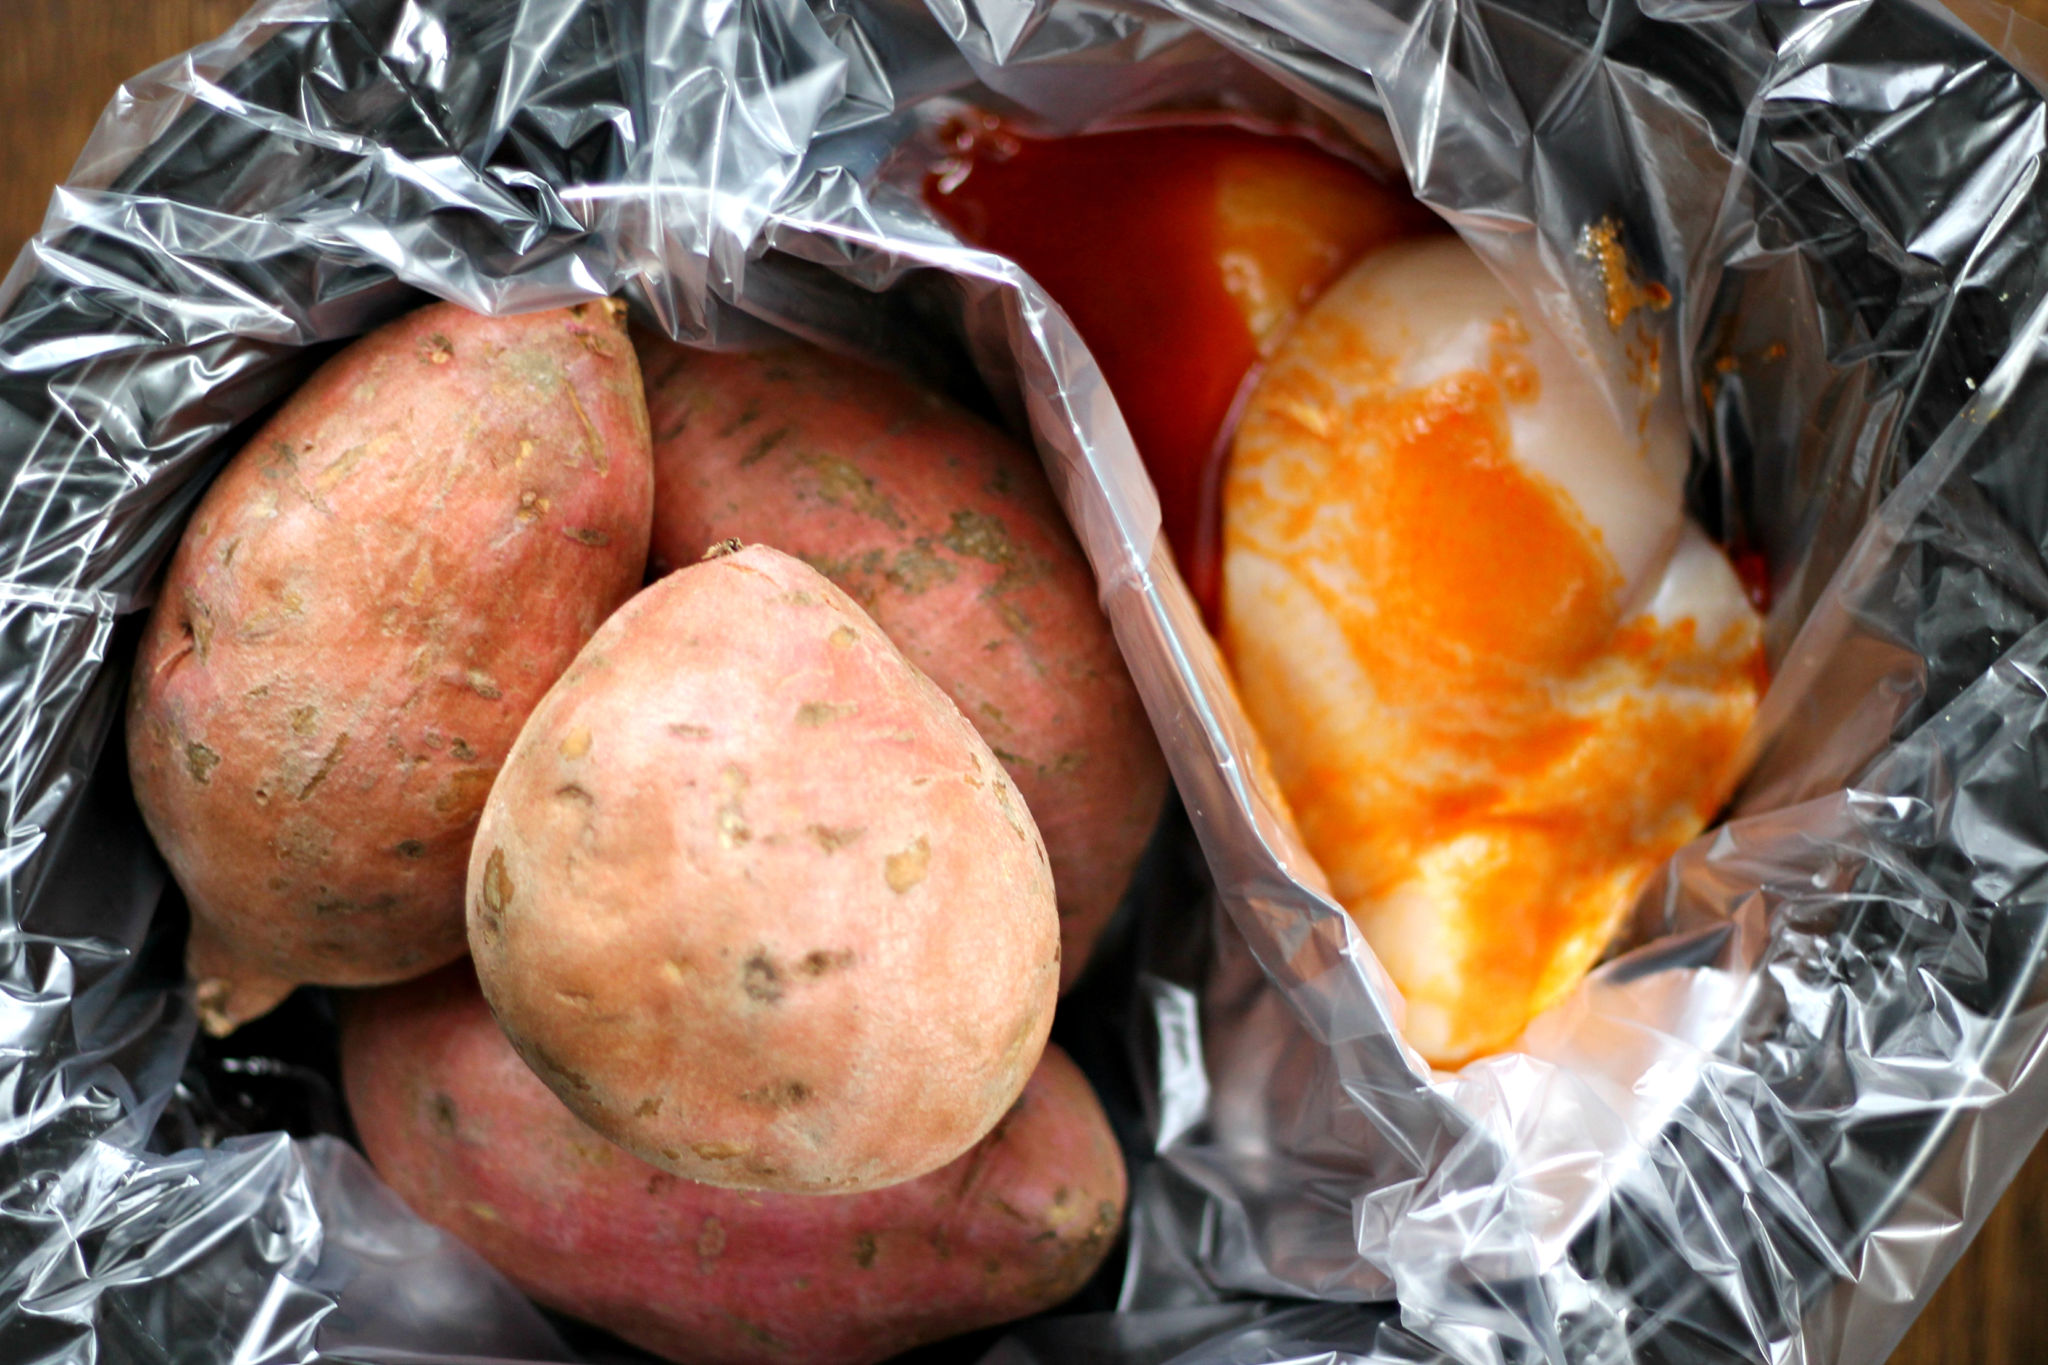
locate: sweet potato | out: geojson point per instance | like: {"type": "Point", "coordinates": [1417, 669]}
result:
{"type": "Point", "coordinates": [755, 901]}
{"type": "Point", "coordinates": [365, 606]}
{"type": "Point", "coordinates": [475, 1144]}
{"type": "Point", "coordinates": [948, 534]}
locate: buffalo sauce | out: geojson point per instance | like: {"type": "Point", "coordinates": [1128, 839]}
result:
{"type": "Point", "coordinates": [1487, 747]}
{"type": "Point", "coordinates": [1180, 252]}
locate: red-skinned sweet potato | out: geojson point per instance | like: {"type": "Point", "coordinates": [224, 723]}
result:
{"type": "Point", "coordinates": [365, 606]}
{"type": "Point", "coordinates": [948, 534]}
{"type": "Point", "coordinates": [755, 900]}
{"type": "Point", "coordinates": [472, 1140]}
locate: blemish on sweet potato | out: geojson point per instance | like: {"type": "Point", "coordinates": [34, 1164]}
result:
{"type": "Point", "coordinates": [588, 535]}
{"type": "Point", "coordinates": [833, 838]}
{"type": "Point", "coordinates": [709, 1151]}
{"type": "Point", "coordinates": [483, 684]}
{"type": "Point", "coordinates": [570, 791]}
{"type": "Point", "coordinates": [339, 468]}
{"type": "Point", "coordinates": [710, 1244]}
{"type": "Point", "coordinates": [733, 829]}
{"type": "Point", "coordinates": [197, 622]}
{"type": "Point", "coordinates": [172, 661]}
{"type": "Point", "coordinates": [906, 868]}
{"type": "Point", "coordinates": [210, 1000]}
{"type": "Point", "coordinates": [1018, 821]}
{"type": "Point", "coordinates": [497, 888]}
{"type": "Point", "coordinates": [759, 979]}
{"type": "Point", "coordinates": [757, 1332]}
{"type": "Point", "coordinates": [745, 416]}
{"type": "Point", "coordinates": [595, 324]}
{"type": "Point", "coordinates": [815, 713]}
{"type": "Point", "coordinates": [678, 426]}
{"type": "Point", "coordinates": [410, 848]}
{"type": "Point", "coordinates": [415, 591]}
{"type": "Point", "coordinates": [462, 795]}
{"type": "Point", "coordinates": [592, 442]}
{"type": "Point", "coordinates": [685, 730]}
{"type": "Point", "coordinates": [864, 1250]}
{"type": "Point", "coordinates": [778, 1095]}
{"type": "Point", "coordinates": [301, 840]}
{"type": "Point", "coordinates": [979, 536]}
{"type": "Point", "coordinates": [543, 1062]}
{"type": "Point", "coordinates": [327, 763]}
{"type": "Point", "coordinates": [648, 1107]}
{"type": "Point", "coordinates": [200, 761]}
{"type": "Point", "coordinates": [840, 482]}
{"type": "Point", "coordinates": [842, 637]}
{"type": "Point", "coordinates": [917, 568]}
{"type": "Point", "coordinates": [441, 1113]}
{"type": "Point", "coordinates": [818, 961]}
{"type": "Point", "coordinates": [1007, 1209]}
{"type": "Point", "coordinates": [760, 449]}
{"type": "Point", "coordinates": [609, 312]}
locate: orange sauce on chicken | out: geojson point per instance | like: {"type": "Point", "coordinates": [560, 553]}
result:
{"type": "Point", "coordinates": [1492, 737]}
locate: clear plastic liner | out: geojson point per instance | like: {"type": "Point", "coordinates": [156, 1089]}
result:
{"type": "Point", "coordinates": [1762, 1130]}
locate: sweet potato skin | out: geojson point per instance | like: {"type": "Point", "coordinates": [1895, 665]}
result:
{"type": "Point", "coordinates": [366, 604]}
{"type": "Point", "coordinates": [755, 900]}
{"type": "Point", "coordinates": [475, 1144]}
{"type": "Point", "coordinates": [948, 534]}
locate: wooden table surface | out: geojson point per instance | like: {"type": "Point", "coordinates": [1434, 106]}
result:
{"type": "Point", "coordinates": [60, 61]}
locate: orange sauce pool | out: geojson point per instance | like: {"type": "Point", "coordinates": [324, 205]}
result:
{"type": "Point", "coordinates": [1181, 252]}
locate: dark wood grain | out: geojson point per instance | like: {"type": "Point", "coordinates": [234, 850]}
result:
{"type": "Point", "coordinates": [1985, 1313]}
{"type": "Point", "coordinates": [60, 62]}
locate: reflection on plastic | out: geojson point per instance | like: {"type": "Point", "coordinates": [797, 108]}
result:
{"type": "Point", "coordinates": [1762, 1133]}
